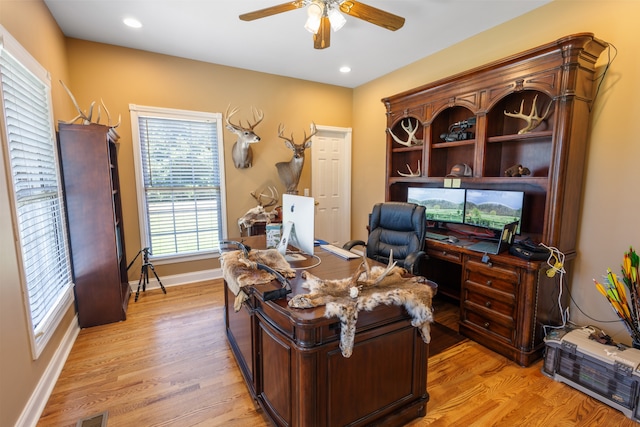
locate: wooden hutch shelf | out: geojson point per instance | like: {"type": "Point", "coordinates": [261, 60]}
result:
{"type": "Point", "coordinates": [557, 77]}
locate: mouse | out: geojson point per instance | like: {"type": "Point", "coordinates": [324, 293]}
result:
{"type": "Point", "coordinates": [452, 239]}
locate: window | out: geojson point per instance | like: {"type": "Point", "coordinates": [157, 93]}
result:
{"type": "Point", "coordinates": [180, 175]}
{"type": "Point", "coordinates": [37, 205]}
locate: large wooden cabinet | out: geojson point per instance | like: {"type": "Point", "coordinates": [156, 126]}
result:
{"type": "Point", "coordinates": [94, 214]}
{"type": "Point", "coordinates": [559, 76]}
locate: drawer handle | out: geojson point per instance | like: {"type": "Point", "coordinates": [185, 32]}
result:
{"type": "Point", "coordinates": [444, 253]}
{"type": "Point", "coordinates": [489, 283]}
{"type": "Point", "coordinates": [486, 325]}
{"type": "Point", "coordinates": [487, 304]}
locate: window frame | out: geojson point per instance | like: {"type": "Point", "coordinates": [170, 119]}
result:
{"type": "Point", "coordinates": [138, 111]}
{"type": "Point", "coordinates": [40, 335]}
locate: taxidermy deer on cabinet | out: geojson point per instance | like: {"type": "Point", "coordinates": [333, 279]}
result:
{"type": "Point", "coordinates": [241, 152]}
{"type": "Point", "coordinates": [259, 213]}
{"type": "Point", "coordinates": [289, 172]}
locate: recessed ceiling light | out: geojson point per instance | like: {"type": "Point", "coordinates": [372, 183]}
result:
{"type": "Point", "coordinates": [132, 22]}
{"type": "Point", "coordinates": [345, 69]}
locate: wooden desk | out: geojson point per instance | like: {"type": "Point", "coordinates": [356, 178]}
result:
{"type": "Point", "coordinates": [504, 302]}
{"type": "Point", "coordinates": [293, 366]}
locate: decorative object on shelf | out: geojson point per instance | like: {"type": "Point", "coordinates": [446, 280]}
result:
{"type": "Point", "coordinates": [458, 131]}
{"type": "Point", "coordinates": [86, 118]}
{"type": "Point", "coordinates": [411, 132]}
{"type": "Point", "coordinates": [373, 286]}
{"type": "Point", "coordinates": [533, 119]}
{"type": "Point", "coordinates": [411, 173]}
{"type": "Point", "coordinates": [259, 213]}
{"type": "Point", "coordinates": [241, 151]}
{"type": "Point", "coordinates": [517, 170]}
{"type": "Point", "coordinates": [324, 16]}
{"type": "Point", "coordinates": [625, 301]}
{"type": "Point", "coordinates": [289, 172]}
{"type": "Point", "coordinates": [461, 170]}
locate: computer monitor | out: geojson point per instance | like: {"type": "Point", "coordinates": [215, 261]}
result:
{"type": "Point", "coordinates": [493, 208]}
{"type": "Point", "coordinates": [297, 223]}
{"type": "Point", "coordinates": [442, 204]}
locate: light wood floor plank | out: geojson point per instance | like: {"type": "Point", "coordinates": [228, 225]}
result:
{"type": "Point", "coordinates": [169, 364]}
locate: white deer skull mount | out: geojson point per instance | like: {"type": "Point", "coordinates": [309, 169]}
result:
{"type": "Point", "coordinates": [259, 212]}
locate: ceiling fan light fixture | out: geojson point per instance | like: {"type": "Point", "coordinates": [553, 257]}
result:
{"type": "Point", "coordinates": [314, 15]}
{"type": "Point", "coordinates": [336, 18]}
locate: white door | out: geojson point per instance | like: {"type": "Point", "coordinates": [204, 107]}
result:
{"type": "Point", "coordinates": [331, 183]}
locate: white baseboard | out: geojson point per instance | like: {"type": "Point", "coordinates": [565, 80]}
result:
{"type": "Point", "coordinates": [33, 410]}
{"type": "Point", "coordinates": [178, 279]}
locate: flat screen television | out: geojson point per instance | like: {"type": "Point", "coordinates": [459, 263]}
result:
{"type": "Point", "coordinates": [493, 208]}
{"type": "Point", "coordinates": [298, 215]}
{"type": "Point", "coordinates": [442, 204]}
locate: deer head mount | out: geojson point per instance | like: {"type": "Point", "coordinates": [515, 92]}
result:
{"type": "Point", "coordinates": [259, 213]}
{"type": "Point", "coordinates": [533, 120]}
{"type": "Point", "coordinates": [241, 152]}
{"type": "Point", "coordinates": [87, 118]}
{"type": "Point", "coordinates": [411, 132]}
{"type": "Point", "coordinates": [289, 172]}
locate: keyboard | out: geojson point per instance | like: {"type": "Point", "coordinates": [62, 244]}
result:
{"type": "Point", "coordinates": [342, 253]}
{"type": "Point", "coordinates": [436, 236]}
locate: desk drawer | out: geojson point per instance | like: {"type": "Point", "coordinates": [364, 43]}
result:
{"type": "Point", "coordinates": [496, 301]}
{"type": "Point", "coordinates": [489, 321]}
{"type": "Point", "coordinates": [492, 276]}
{"type": "Point", "coordinates": [444, 254]}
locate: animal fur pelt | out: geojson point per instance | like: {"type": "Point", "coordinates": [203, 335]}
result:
{"type": "Point", "coordinates": [240, 271]}
{"type": "Point", "coordinates": [365, 291]}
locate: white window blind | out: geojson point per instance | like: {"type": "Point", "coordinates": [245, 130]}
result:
{"type": "Point", "coordinates": [31, 157]}
{"type": "Point", "coordinates": [181, 175]}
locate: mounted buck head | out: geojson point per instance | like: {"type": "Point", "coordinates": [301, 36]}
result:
{"type": "Point", "coordinates": [289, 172]}
{"type": "Point", "coordinates": [241, 152]}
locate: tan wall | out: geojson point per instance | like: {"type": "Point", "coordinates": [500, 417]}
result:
{"type": "Point", "coordinates": [124, 76]}
{"type": "Point", "coordinates": [32, 25]}
{"type": "Point", "coordinates": [609, 220]}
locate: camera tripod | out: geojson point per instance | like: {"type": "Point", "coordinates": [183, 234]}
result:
{"type": "Point", "coordinates": [144, 272]}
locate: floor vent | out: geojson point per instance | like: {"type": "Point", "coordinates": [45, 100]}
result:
{"type": "Point", "coordinates": [99, 420]}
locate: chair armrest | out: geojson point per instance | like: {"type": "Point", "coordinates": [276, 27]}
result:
{"type": "Point", "coordinates": [412, 262]}
{"type": "Point", "coordinates": [351, 243]}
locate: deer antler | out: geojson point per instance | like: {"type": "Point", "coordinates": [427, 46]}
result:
{"type": "Point", "coordinates": [533, 119]}
{"type": "Point", "coordinates": [272, 199]}
{"type": "Point", "coordinates": [86, 119]}
{"type": "Point", "coordinates": [258, 116]}
{"type": "Point", "coordinates": [411, 131]}
{"type": "Point", "coordinates": [411, 173]}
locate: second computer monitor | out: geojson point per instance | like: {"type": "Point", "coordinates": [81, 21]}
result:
{"type": "Point", "coordinates": [493, 208]}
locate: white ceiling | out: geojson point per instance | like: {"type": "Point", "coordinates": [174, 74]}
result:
{"type": "Point", "coordinates": [210, 31]}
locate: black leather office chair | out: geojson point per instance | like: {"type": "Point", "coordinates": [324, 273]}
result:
{"type": "Point", "coordinates": [396, 226]}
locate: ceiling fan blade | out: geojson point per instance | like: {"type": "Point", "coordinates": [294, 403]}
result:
{"type": "Point", "coordinates": [322, 39]}
{"type": "Point", "coordinates": [373, 15]}
{"type": "Point", "coordinates": [273, 10]}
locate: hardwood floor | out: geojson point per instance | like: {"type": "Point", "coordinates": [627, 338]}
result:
{"type": "Point", "coordinates": [169, 364]}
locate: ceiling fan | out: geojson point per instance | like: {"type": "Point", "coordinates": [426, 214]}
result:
{"type": "Point", "coordinates": [324, 15]}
